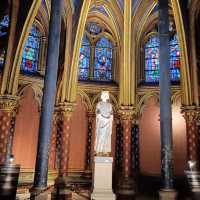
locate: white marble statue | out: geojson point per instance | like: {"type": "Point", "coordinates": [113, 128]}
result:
{"type": "Point", "coordinates": [104, 120]}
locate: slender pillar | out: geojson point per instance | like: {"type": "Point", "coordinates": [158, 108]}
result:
{"type": "Point", "coordinates": [191, 117]}
{"type": "Point", "coordinates": [92, 61]}
{"type": "Point", "coordinates": [91, 118]}
{"type": "Point", "coordinates": [193, 174]}
{"type": "Point", "coordinates": [165, 103]}
{"type": "Point", "coordinates": [63, 188]}
{"type": "Point", "coordinates": [42, 55]}
{"type": "Point", "coordinates": [119, 145]}
{"type": "Point", "coordinates": [64, 127]}
{"type": "Point", "coordinates": [8, 108]}
{"type": "Point", "coordinates": [52, 153]}
{"type": "Point", "coordinates": [41, 169]}
{"type": "Point", "coordinates": [126, 185]}
{"type": "Point", "coordinates": [135, 146]}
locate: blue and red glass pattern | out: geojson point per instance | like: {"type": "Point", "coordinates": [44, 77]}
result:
{"type": "Point", "coordinates": [84, 59]}
{"type": "Point", "coordinates": [30, 56]}
{"type": "Point", "coordinates": [174, 58]}
{"type": "Point", "coordinates": [4, 23]}
{"type": "Point", "coordinates": [152, 72]}
{"type": "Point", "coordinates": [103, 60]}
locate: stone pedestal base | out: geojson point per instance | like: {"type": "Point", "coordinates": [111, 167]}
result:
{"type": "Point", "coordinates": [127, 187]}
{"type": "Point", "coordinates": [39, 194]}
{"type": "Point", "coordinates": [62, 189]}
{"type": "Point", "coordinates": [168, 194]}
{"type": "Point", "coordinates": [102, 179]}
{"type": "Point", "coordinates": [193, 178]}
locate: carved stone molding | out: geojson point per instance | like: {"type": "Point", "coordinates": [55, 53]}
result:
{"type": "Point", "coordinates": [65, 109]}
{"type": "Point", "coordinates": [9, 103]}
{"type": "Point", "coordinates": [126, 113]}
{"type": "Point", "coordinates": [191, 113]}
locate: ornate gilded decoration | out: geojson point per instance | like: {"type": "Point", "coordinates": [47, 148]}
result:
{"type": "Point", "coordinates": [9, 103]}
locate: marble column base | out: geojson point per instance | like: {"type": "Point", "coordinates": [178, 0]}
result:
{"type": "Point", "coordinates": [39, 194]}
{"type": "Point", "coordinates": [127, 187]}
{"type": "Point", "coordinates": [62, 189]}
{"type": "Point", "coordinates": [102, 179]}
{"type": "Point", "coordinates": [193, 177]}
{"type": "Point", "coordinates": [167, 194]}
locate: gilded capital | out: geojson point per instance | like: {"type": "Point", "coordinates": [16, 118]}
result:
{"type": "Point", "coordinates": [65, 110]}
{"type": "Point", "coordinates": [126, 113]}
{"type": "Point", "coordinates": [91, 116]}
{"type": "Point", "coordinates": [190, 113]}
{"type": "Point", "coordinates": [9, 103]}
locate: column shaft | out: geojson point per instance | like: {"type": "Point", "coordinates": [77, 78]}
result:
{"type": "Point", "coordinates": [91, 117]}
{"type": "Point", "coordinates": [135, 147]}
{"type": "Point", "coordinates": [127, 183]}
{"type": "Point", "coordinates": [191, 117]}
{"type": "Point", "coordinates": [65, 132]}
{"type": "Point", "coordinates": [41, 169]}
{"type": "Point", "coordinates": [8, 108]}
{"type": "Point", "coordinates": [52, 153]}
{"type": "Point", "coordinates": [165, 97]}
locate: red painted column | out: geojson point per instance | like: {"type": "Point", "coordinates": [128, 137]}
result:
{"type": "Point", "coordinates": [8, 108]}
{"type": "Point", "coordinates": [88, 164]}
{"type": "Point", "coordinates": [63, 188]}
{"type": "Point", "coordinates": [126, 185]}
{"type": "Point", "coordinates": [52, 153]}
{"type": "Point", "coordinates": [191, 116]}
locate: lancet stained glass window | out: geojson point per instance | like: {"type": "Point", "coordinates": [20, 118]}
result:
{"type": "Point", "coordinates": [4, 23]}
{"type": "Point", "coordinates": [84, 59]}
{"type": "Point", "coordinates": [103, 60]}
{"type": "Point", "coordinates": [30, 54]}
{"type": "Point", "coordinates": [152, 72]}
{"type": "Point", "coordinates": [174, 58]}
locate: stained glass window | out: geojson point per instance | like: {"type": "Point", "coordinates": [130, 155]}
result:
{"type": "Point", "coordinates": [30, 54]}
{"type": "Point", "coordinates": [152, 72]}
{"type": "Point", "coordinates": [84, 59]}
{"type": "Point", "coordinates": [4, 23]}
{"type": "Point", "coordinates": [174, 58]}
{"type": "Point", "coordinates": [93, 28]}
{"type": "Point", "coordinates": [103, 60]}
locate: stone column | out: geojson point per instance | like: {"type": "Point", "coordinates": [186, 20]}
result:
{"type": "Point", "coordinates": [8, 109]}
{"type": "Point", "coordinates": [192, 173]}
{"type": "Point", "coordinates": [91, 118]}
{"type": "Point", "coordinates": [167, 191]}
{"type": "Point", "coordinates": [191, 117]}
{"type": "Point", "coordinates": [52, 153]}
{"type": "Point", "coordinates": [126, 184]}
{"type": "Point", "coordinates": [135, 146]}
{"type": "Point", "coordinates": [48, 101]}
{"type": "Point", "coordinates": [63, 189]}
{"type": "Point", "coordinates": [119, 145]}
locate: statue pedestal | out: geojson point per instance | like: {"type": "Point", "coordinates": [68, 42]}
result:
{"type": "Point", "coordinates": [102, 179]}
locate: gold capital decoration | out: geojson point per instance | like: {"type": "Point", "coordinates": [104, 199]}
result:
{"type": "Point", "coordinates": [9, 103]}
{"type": "Point", "coordinates": [190, 113]}
{"type": "Point", "coordinates": [126, 113]}
{"type": "Point", "coordinates": [65, 110]}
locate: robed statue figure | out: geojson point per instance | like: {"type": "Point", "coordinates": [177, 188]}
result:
{"type": "Point", "coordinates": [104, 120]}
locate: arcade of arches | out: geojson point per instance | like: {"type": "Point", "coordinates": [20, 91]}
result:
{"type": "Point", "coordinates": [104, 45]}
